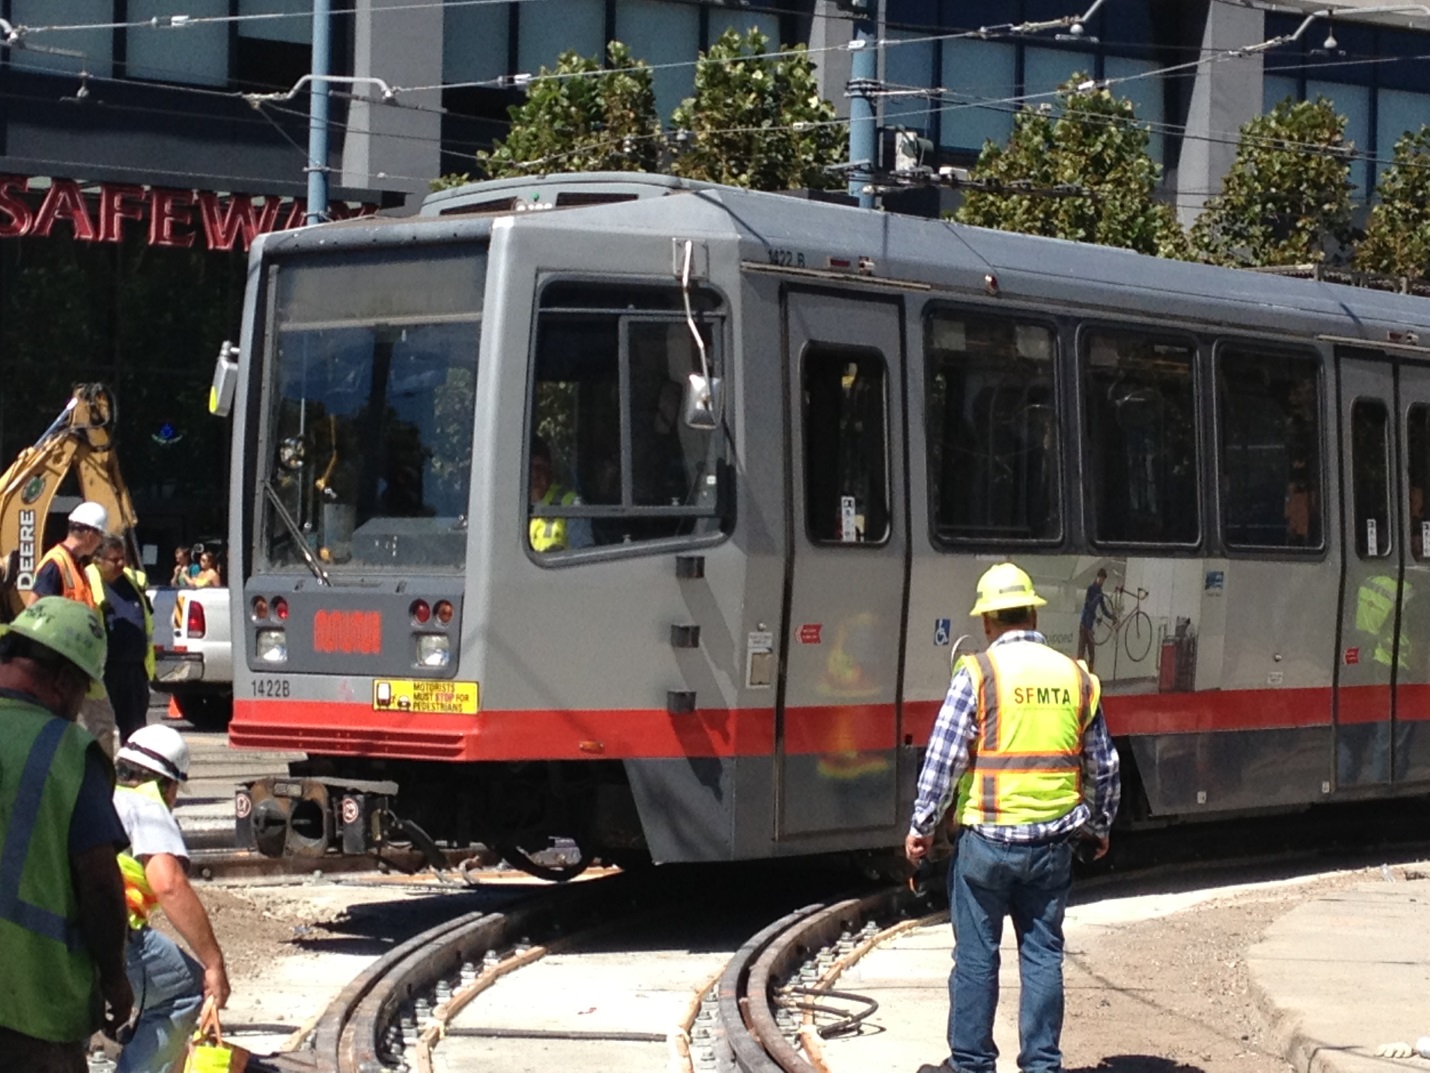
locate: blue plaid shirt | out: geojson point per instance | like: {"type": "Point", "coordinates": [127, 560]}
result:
{"type": "Point", "coordinates": [955, 731]}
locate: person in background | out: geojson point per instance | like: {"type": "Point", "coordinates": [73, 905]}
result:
{"type": "Point", "coordinates": [62, 918]}
{"type": "Point", "coordinates": [1014, 703]}
{"type": "Point", "coordinates": [61, 571]}
{"type": "Point", "coordinates": [170, 985]}
{"type": "Point", "coordinates": [129, 624]}
{"type": "Point", "coordinates": [208, 576]}
{"type": "Point", "coordinates": [184, 566]}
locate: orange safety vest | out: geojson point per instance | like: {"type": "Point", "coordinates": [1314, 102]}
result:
{"type": "Point", "coordinates": [72, 578]}
{"type": "Point", "coordinates": [1025, 765]}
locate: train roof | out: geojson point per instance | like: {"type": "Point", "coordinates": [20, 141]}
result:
{"type": "Point", "coordinates": [939, 255]}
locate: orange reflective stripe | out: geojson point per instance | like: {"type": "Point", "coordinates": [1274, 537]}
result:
{"type": "Point", "coordinates": [74, 585]}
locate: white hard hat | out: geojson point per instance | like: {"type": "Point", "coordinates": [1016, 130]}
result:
{"type": "Point", "coordinates": [159, 749]}
{"type": "Point", "coordinates": [91, 514]}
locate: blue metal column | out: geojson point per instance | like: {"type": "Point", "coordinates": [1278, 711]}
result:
{"type": "Point", "coordinates": [318, 113]}
{"type": "Point", "coordinates": [863, 77]}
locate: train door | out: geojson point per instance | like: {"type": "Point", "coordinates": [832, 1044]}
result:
{"type": "Point", "coordinates": [1369, 659]}
{"type": "Point", "coordinates": [845, 579]}
{"type": "Point", "coordinates": [1410, 739]}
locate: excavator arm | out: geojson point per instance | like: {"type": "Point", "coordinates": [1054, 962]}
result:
{"type": "Point", "coordinates": [80, 439]}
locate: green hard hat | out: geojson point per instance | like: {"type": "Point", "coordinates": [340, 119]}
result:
{"type": "Point", "coordinates": [69, 628]}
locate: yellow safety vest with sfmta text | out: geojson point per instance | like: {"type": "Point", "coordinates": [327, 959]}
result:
{"type": "Point", "coordinates": [1025, 764]}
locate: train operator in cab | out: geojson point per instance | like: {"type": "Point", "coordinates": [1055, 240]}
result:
{"type": "Point", "coordinates": [547, 533]}
{"type": "Point", "coordinates": [1021, 749]}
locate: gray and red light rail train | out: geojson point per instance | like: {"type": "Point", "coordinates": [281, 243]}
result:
{"type": "Point", "coordinates": [776, 442]}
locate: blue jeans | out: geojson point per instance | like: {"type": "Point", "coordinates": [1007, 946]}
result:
{"type": "Point", "coordinates": [990, 880]}
{"type": "Point", "coordinates": [168, 992]}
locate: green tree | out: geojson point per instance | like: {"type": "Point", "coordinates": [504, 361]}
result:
{"type": "Point", "coordinates": [757, 121]}
{"type": "Point", "coordinates": [578, 117]}
{"type": "Point", "coordinates": [1286, 199]}
{"type": "Point", "coordinates": [1397, 240]}
{"type": "Point", "coordinates": [1087, 175]}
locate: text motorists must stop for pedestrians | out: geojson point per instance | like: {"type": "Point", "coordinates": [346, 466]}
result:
{"type": "Point", "coordinates": [437, 698]}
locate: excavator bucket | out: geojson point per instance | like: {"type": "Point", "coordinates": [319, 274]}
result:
{"type": "Point", "coordinates": [80, 441]}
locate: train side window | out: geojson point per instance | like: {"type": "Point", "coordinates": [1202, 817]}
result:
{"type": "Point", "coordinates": [607, 425]}
{"type": "Point", "coordinates": [993, 430]}
{"type": "Point", "coordinates": [1269, 423]}
{"type": "Point", "coordinates": [1140, 401]}
{"type": "Point", "coordinates": [1417, 450]}
{"type": "Point", "coordinates": [846, 476]}
{"type": "Point", "coordinates": [1370, 477]}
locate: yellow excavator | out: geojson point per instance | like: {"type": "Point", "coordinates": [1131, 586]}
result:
{"type": "Point", "coordinates": [81, 439]}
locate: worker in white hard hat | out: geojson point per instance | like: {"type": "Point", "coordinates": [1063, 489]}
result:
{"type": "Point", "coordinates": [62, 928]}
{"type": "Point", "coordinates": [170, 987]}
{"type": "Point", "coordinates": [62, 573]}
{"type": "Point", "coordinates": [1021, 750]}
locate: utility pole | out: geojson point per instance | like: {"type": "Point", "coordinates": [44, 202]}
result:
{"type": "Point", "coordinates": [318, 112]}
{"type": "Point", "coordinates": [863, 80]}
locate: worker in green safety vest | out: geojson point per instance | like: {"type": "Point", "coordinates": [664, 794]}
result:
{"type": "Point", "coordinates": [63, 924]}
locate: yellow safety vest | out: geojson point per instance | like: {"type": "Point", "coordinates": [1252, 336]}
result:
{"type": "Point", "coordinates": [549, 534]}
{"type": "Point", "coordinates": [139, 897]}
{"type": "Point", "coordinates": [1025, 765]}
{"type": "Point", "coordinates": [140, 581]}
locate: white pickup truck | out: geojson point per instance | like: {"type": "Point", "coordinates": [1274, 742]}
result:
{"type": "Point", "coordinates": [194, 652]}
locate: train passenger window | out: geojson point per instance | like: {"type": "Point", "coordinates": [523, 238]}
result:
{"type": "Point", "coordinates": [1269, 422]}
{"type": "Point", "coordinates": [993, 442]}
{"type": "Point", "coordinates": [617, 463]}
{"type": "Point", "coordinates": [1141, 412]}
{"type": "Point", "coordinates": [1370, 477]}
{"type": "Point", "coordinates": [846, 476]}
{"type": "Point", "coordinates": [1417, 450]}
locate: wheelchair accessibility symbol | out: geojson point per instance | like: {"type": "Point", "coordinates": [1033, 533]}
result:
{"type": "Point", "coordinates": [941, 630]}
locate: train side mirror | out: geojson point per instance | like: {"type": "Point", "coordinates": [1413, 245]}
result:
{"type": "Point", "coordinates": [225, 380]}
{"type": "Point", "coordinates": [701, 399]}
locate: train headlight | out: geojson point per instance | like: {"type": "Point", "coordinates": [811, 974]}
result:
{"type": "Point", "coordinates": [433, 650]}
{"type": "Point", "coordinates": [272, 646]}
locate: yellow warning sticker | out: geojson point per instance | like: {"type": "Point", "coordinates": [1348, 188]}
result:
{"type": "Point", "coordinates": [438, 698]}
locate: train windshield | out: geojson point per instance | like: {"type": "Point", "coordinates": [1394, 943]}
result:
{"type": "Point", "coordinates": [368, 441]}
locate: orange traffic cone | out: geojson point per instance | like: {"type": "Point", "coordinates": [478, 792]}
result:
{"type": "Point", "coordinates": [173, 712]}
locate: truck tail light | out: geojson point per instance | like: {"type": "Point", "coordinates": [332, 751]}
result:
{"type": "Point", "coordinates": [195, 619]}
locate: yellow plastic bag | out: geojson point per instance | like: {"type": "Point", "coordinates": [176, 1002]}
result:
{"type": "Point", "coordinates": [208, 1053]}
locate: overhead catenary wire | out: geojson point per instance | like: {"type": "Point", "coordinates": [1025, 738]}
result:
{"type": "Point", "coordinates": [1008, 103]}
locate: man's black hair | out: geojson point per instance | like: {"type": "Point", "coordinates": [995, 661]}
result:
{"type": "Point", "coordinates": [1013, 616]}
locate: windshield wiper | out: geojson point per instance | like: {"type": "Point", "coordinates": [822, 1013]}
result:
{"type": "Point", "coordinates": [295, 532]}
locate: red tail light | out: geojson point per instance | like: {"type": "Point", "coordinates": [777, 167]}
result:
{"type": "Point", "coordinates": [195, 623]}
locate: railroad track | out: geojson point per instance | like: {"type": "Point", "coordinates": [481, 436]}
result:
{"type": "Point", "coordinates": [763, 1013]}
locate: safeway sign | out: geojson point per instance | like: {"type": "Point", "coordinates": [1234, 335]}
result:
{"type": "Point", "coordinates": [173, 218]}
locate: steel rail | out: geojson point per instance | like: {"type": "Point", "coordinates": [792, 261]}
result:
{"type": "Point", "coordinates": [749, 989]}
{"type": "Point", "coordinates": [350, 1037]}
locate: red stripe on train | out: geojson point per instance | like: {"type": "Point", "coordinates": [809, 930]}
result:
{"type": "Point", "coordinates": [338, 728]}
